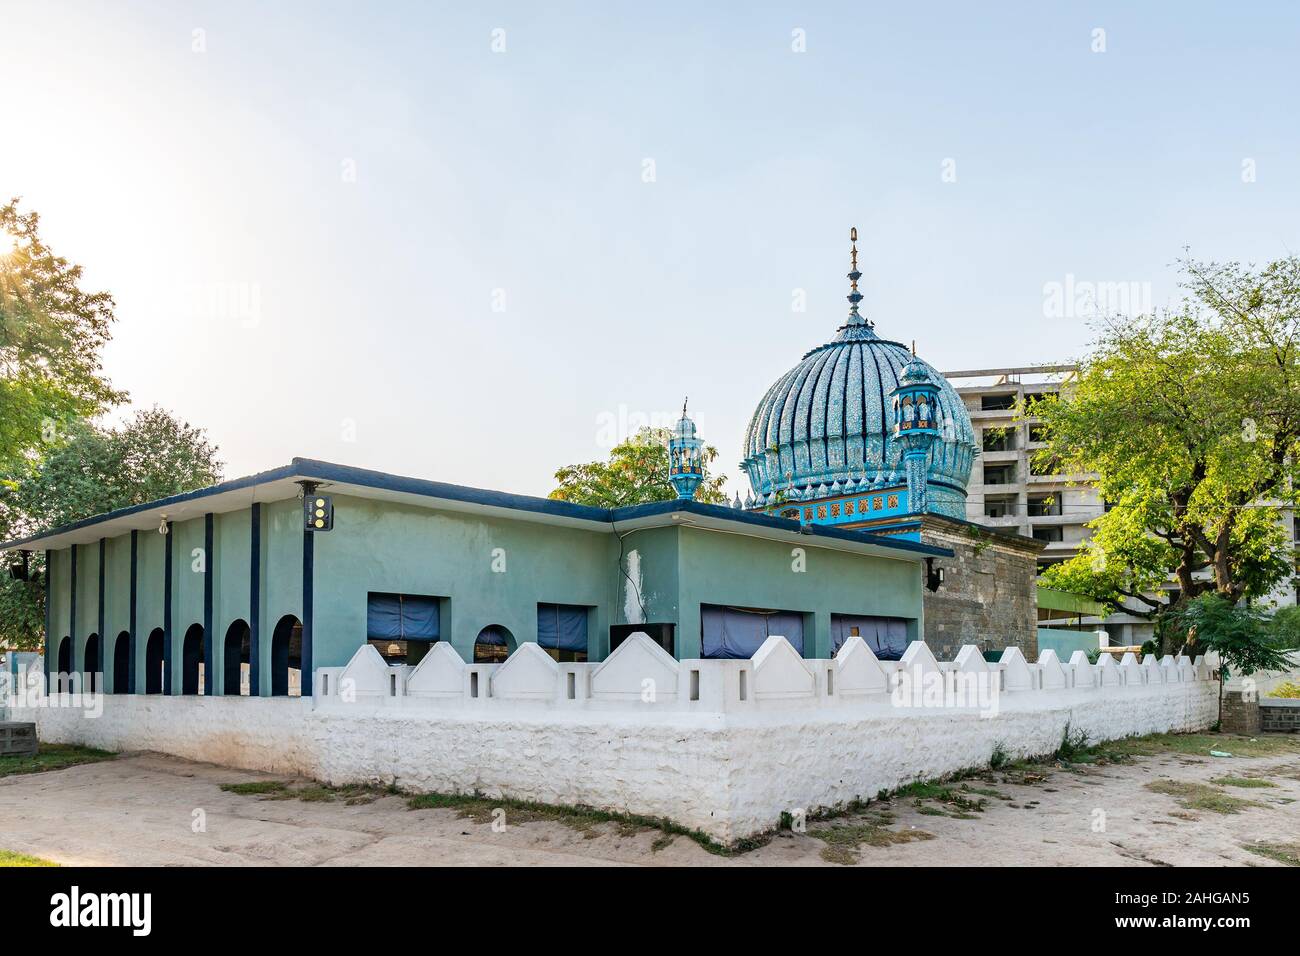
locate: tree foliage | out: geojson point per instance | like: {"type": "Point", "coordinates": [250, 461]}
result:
{"type": "Point", "coordinates": [636, 472]}
{"type": "Point", "coordinates": [90, 471]}
{"type": "Point", "coordinates": [1240, 635]}
{"type": "Point", "coordinates": [51, 334]}
{"type": "Point", "coordinates": [1191, 421]}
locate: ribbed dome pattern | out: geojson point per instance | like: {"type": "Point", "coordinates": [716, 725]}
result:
{"type": "Point", "coordinates": [828, 420]}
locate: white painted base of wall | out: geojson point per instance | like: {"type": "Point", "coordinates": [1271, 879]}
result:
{"type": "Point", "coordinates": [730, 775]}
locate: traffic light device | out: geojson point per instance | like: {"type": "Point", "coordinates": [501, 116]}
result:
{"type": "Point", "coordinates": [318, 510]}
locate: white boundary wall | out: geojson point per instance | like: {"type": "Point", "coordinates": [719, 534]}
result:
{"type": "Point", "coordinates": [721, 746]}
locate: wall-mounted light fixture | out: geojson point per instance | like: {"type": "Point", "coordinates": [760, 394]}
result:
{"type": "Point", "coordinates": [933, 575]}
{"type": "Point", "coordinates": [163, 526]}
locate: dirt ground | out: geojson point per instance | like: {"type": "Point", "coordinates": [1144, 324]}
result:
{"type": "Point", "coordinates": [153, 810]}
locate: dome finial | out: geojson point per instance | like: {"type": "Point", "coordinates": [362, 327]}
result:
{"type": "Point", "coordinates": [854, 275]}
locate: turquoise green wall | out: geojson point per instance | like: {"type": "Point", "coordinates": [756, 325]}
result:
{"type": "Point", "coordinates": [150, 551]}
{"type": "Point", "coordinates": [657, 550]}
{"type": "Point", "coordinates": [60, 569]}
{"type": "Point", "coordinates": [377, 546]}
{"type": "Point", "coordinates": [380, 546]}
{"type": "Point", "coordinates": [231, 542]}
{"type": "Point", "coordinates": [117, 600]}
{"type": "Point", "coordinates": [281, 576]}
{"type": "Point", "coordinates": [753, 572]}
{"type": "Point", "coordinates": [87, 597]}
{"type": "Point", "coordinates": [187, 588]}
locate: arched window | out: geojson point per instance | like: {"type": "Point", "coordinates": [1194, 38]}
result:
{"type": "Point", "coordinates": [94, 665]}
{"type": "Point", "coordinates": [493, 645]}
{"type": "Point", "coordinates": [122, 664]}
{"type": "Point", "coordinates": [153, 662]}
{"type": "Point", "coordinates": [286, 657]}
{"type": "Point", "coordinates": [236, 658]}
{"type": "Point", "coordinates": [192, 660]}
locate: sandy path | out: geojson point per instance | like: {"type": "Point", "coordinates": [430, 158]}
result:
{"type": "Point", "coordinates": [141, 809]}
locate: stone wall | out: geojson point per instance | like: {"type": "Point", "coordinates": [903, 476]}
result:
{"type": "Point", "coordinates": [1240, 713]}
{"type": "Point", "coordinates": [1279, 715]}
{"type": "Point", "coordinates": [989, 596]}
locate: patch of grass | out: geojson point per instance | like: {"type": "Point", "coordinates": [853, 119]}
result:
{"type": "Point", "coordinates": [10, 858]}
{"type": "Point", "coordinates": [987, 792]}
{"type": "Point", "coordinates": [1287, 853]}
{"type": "Point", "coordinates": [52, 757]}
{"type": "Point", "coordinates": [842, 855]}
{"type": "Point", "coordinates": [318, 793]}
{"type": "Point", "coordinates": [351, 794]}
{"type": "Point", "coordinates": [1074, 747]}
{"type": "Point", "coordinates": [1199, 745]}
{"type": "Point", "coordinates": [1200, 796]}
{"type": "Point", "coordinates": [999, 758]}
{"type": "Point", "coordinates": [662, 842]}
{"type": "Point", "coordinates": [843, 839]}
{"type": "Point", "coordinates": [480, 809]}
{"type": "Point", "coordinates": [1242, 782]}
{"type": "Point", "coordinates": [955, 803]}
{"type": "Point", "coordinates": [255, 787]}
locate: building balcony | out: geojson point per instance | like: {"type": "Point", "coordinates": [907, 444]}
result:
{"type": "Point", "coordinates": [1008, 456]}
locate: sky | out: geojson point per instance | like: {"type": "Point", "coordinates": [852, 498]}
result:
{"type": "Point", "coordinates": [477, 242]}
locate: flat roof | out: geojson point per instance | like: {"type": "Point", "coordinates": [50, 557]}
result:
{"type": "Point", "coordinates": [279, 484]}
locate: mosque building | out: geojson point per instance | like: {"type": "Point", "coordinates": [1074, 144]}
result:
{"type": "Point", "coordinates": [857, 458]}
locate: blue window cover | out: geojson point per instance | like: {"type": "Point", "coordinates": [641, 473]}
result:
{"type": "Point", "coordinates": [402, 617]}
{"type": "Point", "coordinates": [886, 636]}
{"type": "Point", "coordinates": [733, 632]}
{"type": "Point", "coordinates": [492, 635]}
{"type": "Point", "coordinates": [562, 626]}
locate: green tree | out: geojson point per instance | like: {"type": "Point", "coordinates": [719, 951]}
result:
{"type": "Point", "coordinates": [91, 471]}
{"type": "Point", "coordinates": [1285, 626]}
{"type": "Point", "coordinates": [1240, 635]}
{"type": "Point", "coordinates": [636, 472]}
{"type": "Point", "coordinates": [1191, 421]}
{"type": "Point", "coordinates": [51, 334]}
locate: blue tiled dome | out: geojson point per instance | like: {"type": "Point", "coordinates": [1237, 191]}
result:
{"type": "Point", "coordinates": [828, 420]}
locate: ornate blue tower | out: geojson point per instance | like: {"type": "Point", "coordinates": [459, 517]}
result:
{"type": "Point", "coordinates": [685, 458]}
{"type": "Point", "coordinates": [916, 403]}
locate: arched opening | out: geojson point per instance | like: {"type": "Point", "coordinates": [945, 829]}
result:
{"type": "Point", "coordinates": [62, 676]}
{"type": "Point", "coordinates": [286, 657]}
{"type": "Point", "coordinates": [153, 662]}
{"type": "Point", "coordinates": [493, 645]}
{"type": "Point", "coordinates": [236, 659]}
{"type": "Point", "coordinates": [122, 664]}
{"type": "Point", "coordinates": [192, 660]}
{"type": "Point", "coordinates": [94, 666]}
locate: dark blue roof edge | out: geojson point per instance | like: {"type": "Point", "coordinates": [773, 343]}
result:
{"type": "Point", "coordinates": [311, 468]}
{"type": "Point", "coordinates": [781, 524]}
{"type": "Point", "coordinates": [235, 484]}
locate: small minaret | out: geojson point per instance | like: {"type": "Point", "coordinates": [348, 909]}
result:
{"type": "Point", "coordinates": [916, 427]}
{"type": "Point", "coordinates": [685, 458]}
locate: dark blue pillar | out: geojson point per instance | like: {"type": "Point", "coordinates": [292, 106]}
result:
{"type": "Point", "coordinates": [255, 604]}
{"type": "Point", "coordinates": [72, 614]}
{"type": "Point", "coordinates": [105, 646]}
{"type": "Point", "coordinates": [208, 559]}
{"type": "Point", "coordinates": [308, 587]}
{"type": "Point", "coordinates": [49, 611]}
{"type": "Point", "coordinates": [131, 640]}
{"type": "Point", "coordinates": [167, 612]}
